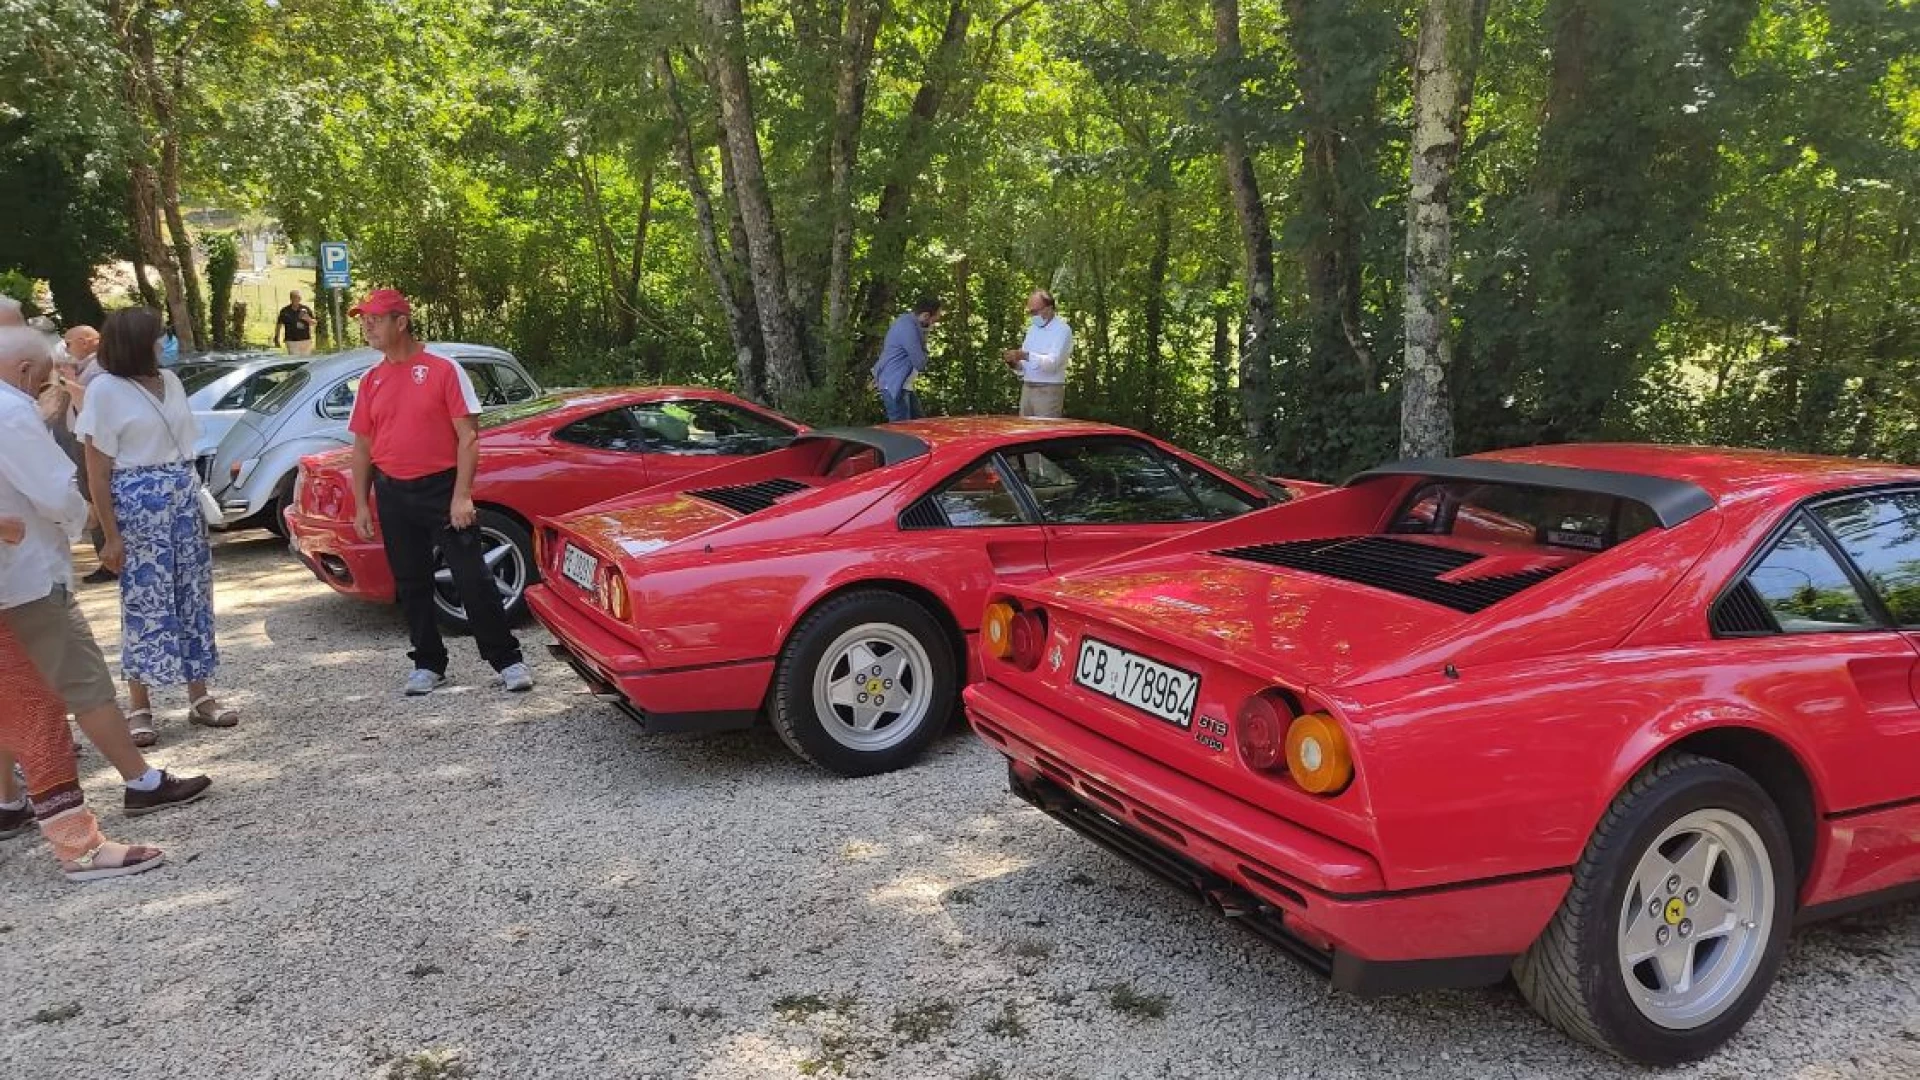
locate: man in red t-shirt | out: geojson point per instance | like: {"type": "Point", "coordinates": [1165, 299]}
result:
{"type": "Point", "coordinates": [415, 449]}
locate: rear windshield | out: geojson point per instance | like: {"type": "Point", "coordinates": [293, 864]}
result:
{"type": "Point", "coordinates": [200, 376]}
{"type": "Point", "coordinates": [1517, 514]}
{"type": "Point", "coordinates": [507, 414]}
{"type": "Point", "coordinates": [278, 397]}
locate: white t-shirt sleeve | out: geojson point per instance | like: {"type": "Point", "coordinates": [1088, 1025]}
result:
{"type": "Point", "coordinates": [467, 395]}
{"type": "Point", "coordinates": [98, 419]}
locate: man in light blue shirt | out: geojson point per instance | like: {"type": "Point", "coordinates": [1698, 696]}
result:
{"type": "Point", "coordinates": [1041, 359]}
{"type": "Point", "coordinates": [903, 355]}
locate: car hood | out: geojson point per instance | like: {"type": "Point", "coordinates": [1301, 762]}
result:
{"type": "Point", "coordinates": [1300, 628]}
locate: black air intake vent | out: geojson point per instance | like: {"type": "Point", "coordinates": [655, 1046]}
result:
{"type": "Point", "coordinates": [749, 498]}
{"type": "Point", "coordinates": [924, 514]}
{"type": "Point", "coordinates": [1743, 612]}
{"type": "Point", "coordinates": [1397, 566]}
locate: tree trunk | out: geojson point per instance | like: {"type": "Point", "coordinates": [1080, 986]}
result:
{"type": "Point", "coordinates": [862, 28]}
{"type": "Point", "coordinates": [1156, 313]}
{"type": "Point", "coordinates": [1220, 403]}
{"type": "Point", "coordinates": [891, 228]}
{"type": "Point", "coordinates": [73, 295]}
{"type": "Point", "coordinates": [1256, 246]}
{"type": "Point", "coordinates": [150, 294]}
{"type": "Point", "coordinates": [787, 366]}
{"type": "Point", "coordinates": [742, 330]}
{"type": "Point", "coordinates": [1445, 63]}
{"type": "Point", "coordinates": [136, 44]}
{"type": "Point", "coordinates": [599, 231]}
{"type": "Point", "coordinates": [192, 333]}
{"type": "Point", "coordinates": [630, 292]}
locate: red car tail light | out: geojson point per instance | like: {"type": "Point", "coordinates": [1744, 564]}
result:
{"type": "Point", "coordinates": [996, 630]}
{"type": "Point", "coordinates": [1318, 756]}
{"type": "Point", "coordinates": [1259, 733]}
{"type": "Point", "coordinates": [1027, 638]}
{"type": "Point", "coordinates": [613, 593]}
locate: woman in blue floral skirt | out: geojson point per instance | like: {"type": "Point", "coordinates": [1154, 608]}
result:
{"type": "Point", "coordinates": [139, 431]}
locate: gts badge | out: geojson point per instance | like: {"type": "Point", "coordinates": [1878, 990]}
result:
{"type": "Point", "coordinates": [1211, 734]}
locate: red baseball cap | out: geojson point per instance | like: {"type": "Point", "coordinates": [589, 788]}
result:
{"type": "Point", "coordinates": [382, 302]}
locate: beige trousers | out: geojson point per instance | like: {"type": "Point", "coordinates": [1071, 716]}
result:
{"type": "Point", "coordinates": [1046, 400]}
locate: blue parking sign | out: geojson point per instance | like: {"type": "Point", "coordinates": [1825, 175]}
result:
{"type": "Point", "coordinates": [333, 264]}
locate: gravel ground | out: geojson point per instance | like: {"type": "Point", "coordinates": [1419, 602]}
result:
{"type": "Point", "coordinates": [479, 885]}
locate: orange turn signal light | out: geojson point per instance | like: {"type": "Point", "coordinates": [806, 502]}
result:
{"type": "Point", "coordinates": [615, 594]}
{"type": "Point", "coordinates": [996, 630]}
{"type": "Point", "coordinates": [1318, 757]}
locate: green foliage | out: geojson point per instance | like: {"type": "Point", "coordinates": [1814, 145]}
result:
{"type": "Point", "coordinates": [223, 262]}
{"type": "Point", "coordinates": [1677, 221]}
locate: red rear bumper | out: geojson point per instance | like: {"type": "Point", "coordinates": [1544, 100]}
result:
{"type": "Point", "coordinates": [1321, 899]}
{"type": "Point", "coordinates": [714, 697]}
{"type": "Point", "coordinates": [352, 566]}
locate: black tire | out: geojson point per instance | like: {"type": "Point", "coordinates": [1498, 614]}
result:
{"type": "Point", "coordinates": [276, 512]}
{"type": "Point", "coordinates": [1573, 975]}
{"type": "Point", "coordinates": [497, 524]}
{"type": "Point", "coordinates": [808, 734]}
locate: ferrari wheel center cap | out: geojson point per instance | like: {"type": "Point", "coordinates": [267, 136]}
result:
{"type": "Point", "coordinates": [1676, 910]}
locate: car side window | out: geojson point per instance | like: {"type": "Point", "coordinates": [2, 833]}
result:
{"type": "Point", "coordinates": [259, 385]}
{"type": "Point", "coordinates": [1218, 499]}
{"type": "Point", "coordinates": [513, 386]}
{"type": "Point", "coordinates": [608, 430]}
{"type": "Point", "coordinates": [484, 388]}
{"type": "Point", "coordinates": [1881, 534]}
{"type": "Point", "coordinates": [698, 427]}
{"type": "Point", "coordinates": [979, 497]}
{"type": "Point", "coordinates": [1804, 587]}
{"type": "Point", "coordinates": [337, 404]}
{"type": "Point", "coordinates": [1104, 483]}
{"type": "Point", "coordinates": [236, 398]}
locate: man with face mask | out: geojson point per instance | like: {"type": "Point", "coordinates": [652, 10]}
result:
{"type": "Point", "coordinates": [1041, 359]}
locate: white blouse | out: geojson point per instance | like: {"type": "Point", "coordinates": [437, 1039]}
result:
{"type": "Point", "coordinates": [128, 424]}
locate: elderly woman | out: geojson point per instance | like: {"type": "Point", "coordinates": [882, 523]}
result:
{"type": "Point", "coordinates": [139, 433]}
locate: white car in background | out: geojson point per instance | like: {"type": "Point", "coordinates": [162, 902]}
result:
{"type": "Point", "coordinates": [221, 390]}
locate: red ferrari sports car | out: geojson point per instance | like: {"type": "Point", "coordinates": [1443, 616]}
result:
{"type": "Point", "coordinates": [1612, 718]}
{"type": "Point", "coordinates": [835, 586]}
{"type": "Point", "coordinates": [546, 456]}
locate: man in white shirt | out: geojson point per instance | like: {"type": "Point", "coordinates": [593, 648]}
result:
{"type": "Point", "coordinates": [36, 582]}
{"type": "Point", "coordinates": [1042, 358]}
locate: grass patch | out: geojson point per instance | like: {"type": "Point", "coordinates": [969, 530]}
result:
{"type": "Point", "coordinates": [801, 1006]}
{"type": "Point", "coordinates": [1007, 1025]}
{"type": "Point", "coordinates": [429, 1065]}
{"type": "Point", "coordinates": [960, 896]}
{"type": "Point", "coordinates": [835, 1048]}
{"type": "Point", "coordinates": [1127, 1001]}
{"type": "Point", "coordinates": [989, 1071]}
{"type": "Point", "coordinates": [918, 1023]}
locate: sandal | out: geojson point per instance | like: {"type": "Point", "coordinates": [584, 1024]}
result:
{"type": "Point", "coordinates": [207, 712]}
{"type": "Point", "coordinates": [140, 727]}
{"type": "Point", "coordinates": [102, 862]}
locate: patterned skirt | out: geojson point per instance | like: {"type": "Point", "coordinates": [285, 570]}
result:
{"type": "Point", "coordinates": [166, 587]}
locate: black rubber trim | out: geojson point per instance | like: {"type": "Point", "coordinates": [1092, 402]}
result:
{"type": "Point", "coordinates": [1876, 808]}
{"type": "Point", "coordinates": [1834, 909]}
{"type": "Point", "coordinates": [894, 446]}
{"type": "Point", "coordinates": [1347, 972]}
{"type": "Point", "coordinates": [1672, 501]}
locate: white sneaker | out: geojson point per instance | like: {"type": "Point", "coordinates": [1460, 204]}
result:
{"type": "Point", "coordinates": [516, 677]}
{"type": "Point", "coordinates": [423, 682]}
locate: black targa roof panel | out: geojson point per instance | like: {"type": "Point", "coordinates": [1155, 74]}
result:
{"type": "Point", "coordinates": [1672, 501]}
{"type": "Point", "coordinates": [894, 446]}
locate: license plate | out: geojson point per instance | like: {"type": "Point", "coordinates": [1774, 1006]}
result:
{"type": "Point", "coordinates": [579, 567]}
{"type": "Point", "coordinates": [1162, 692]}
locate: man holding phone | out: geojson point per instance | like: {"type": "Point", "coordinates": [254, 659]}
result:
{"type": "Point", "coordinates": [1041, 359]}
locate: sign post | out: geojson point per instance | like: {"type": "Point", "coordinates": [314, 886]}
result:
{"type": "Point", "coordinates": [335, 274]}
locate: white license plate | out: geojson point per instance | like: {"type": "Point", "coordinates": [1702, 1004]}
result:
{"type": "Point", "coordinates": [1163, 692]}
{"type": "Point", "coordinates": [579, 567]}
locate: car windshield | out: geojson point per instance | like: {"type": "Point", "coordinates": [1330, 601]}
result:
{"type": "Point", "coordinates": [277, 398]}
{"type": "Point", "coordinates": [509, 413]}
